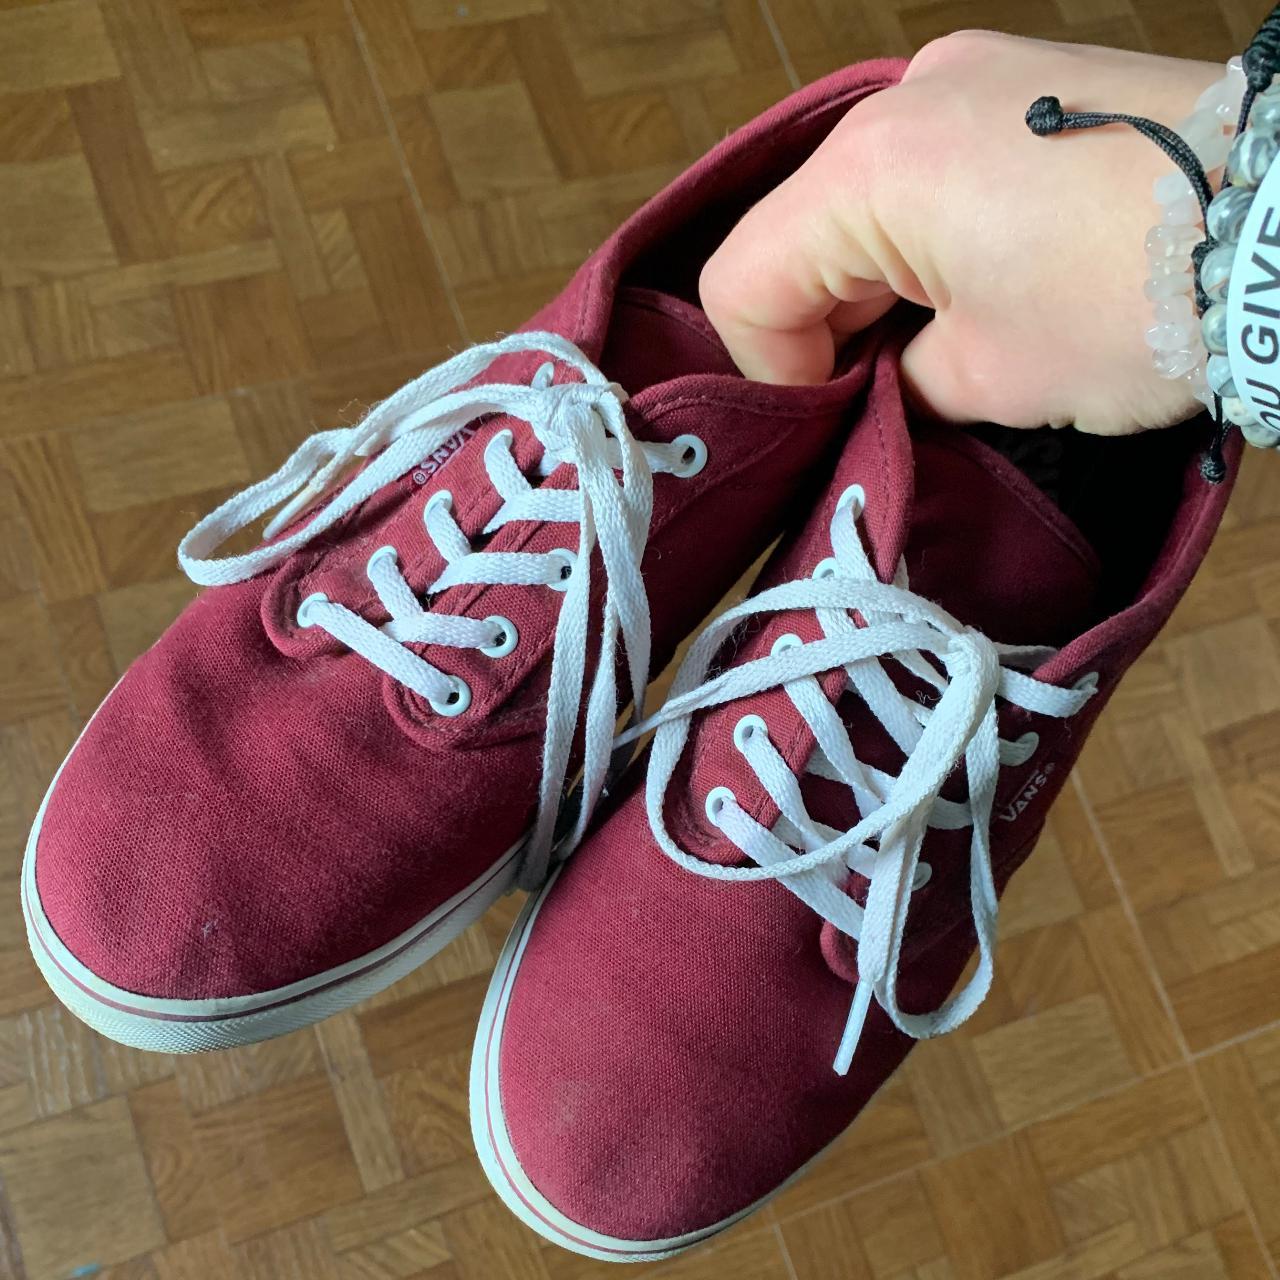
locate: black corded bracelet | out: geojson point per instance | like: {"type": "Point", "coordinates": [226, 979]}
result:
{"type": "Point", "coordinates": [1234, 263]}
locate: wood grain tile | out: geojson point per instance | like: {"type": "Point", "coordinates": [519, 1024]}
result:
{"type": "Point", "coordinates": [1053, 1060]}
{"type": "Point", "coordinates": [156, 52]}
{"type": "Point", "coordinates": [241, 331]}
{"type": "Point", "coordinates": [30, 682]}
{"type": "Point", "coordinates": [237, 130]}
{"type": "Point", "coordinates": [53, 45]}
{"type": "Point", "coordinates": [1007, 1228]}
{"type": "Point", "coordinates": [69, 397]}
{"type": "Point", "coordinates": [223, 226]}
{"type": "Point", "coordinates": [51, 222]}
{"type": "Point", "coordinates": [128, 188]}
{"type": "Point", "coordinates": [36, 126]}
{"type": "Point", "coordinates": [471, 121]}
{"type": "Point", "coordinates": [48, 492]}
{"type": "Point", "coordinates": [175, 1165]}
{"type": "Point", "coordinates": [213, 206]}
{"type": "Point", "coordinates": [1243, 1084]}
{"type": "Point", "coordinates": [894, 1227]}
{"type": "Point", "coordinates": [147, 453]}
{"type": "Point", "coordinates": [59, 323]}
{"type": "Point", "coordinates": [254, 1150]}
{"type": "Point", "coordinates": [78, 1190]}
{"type": "Point", "coordinates": [364, 1112]}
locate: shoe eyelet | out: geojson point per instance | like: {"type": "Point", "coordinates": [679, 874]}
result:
{"type": "Point", "coordinates": [828, 568]}
{"type": "Point", "coordinates": [441, 497]}
{"type": "Point", "coordinates": [746, 729]}
{"type": "Point", "coordinates": [1027, 745]}
{"type": "Point", "coordinates": [508, 637]}
{"type": "Point", "coordinates": [693, 456]}
{"type": "Point", "coordinates": [1088, 683]}
{"type": "Point", "coordinates": [456, 701]}
{"type": "Point", "coordinates": [785, 642]}
{"type": "Point", "coordinates": [316, 597]}
{"type": "Point", "coordinates": [381, 554]}
{"type": "Point", "coordinates": [717, 798]}
{"type": "Point", "coordinates": [856, 496]}
{"type": "Point", "coordinates": [569, 562]}
{"type": "Point", "coordinates": [923, 874]}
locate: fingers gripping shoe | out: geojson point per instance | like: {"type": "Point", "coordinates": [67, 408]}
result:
{"type": "Point", "coordinates": [769, 917]}
{"type": "Point", "coordinates": [348, 746]}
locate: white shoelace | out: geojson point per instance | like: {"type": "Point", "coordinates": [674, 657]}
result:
{"type": "Point", "coordinates": [579, 423]}
{"type": "Point", "coordinates": [813, 860]}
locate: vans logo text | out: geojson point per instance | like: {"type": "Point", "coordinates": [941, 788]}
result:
{"type": "Point", "coordinates": [1029, 793]}
{"type": "Point", "coordinates": [437, 458]}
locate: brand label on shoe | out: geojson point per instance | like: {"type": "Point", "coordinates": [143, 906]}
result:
{"type": "Point", "coordinates": [1039, 781]}
{"type": "Point", "coordinates": [1253, 305]}
{"type": "Point", "coordinates": [439, 458]}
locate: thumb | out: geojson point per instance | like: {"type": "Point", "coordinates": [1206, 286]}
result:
{"type": "Point", "coordinates": [943, 372]}
{"type": "Point", "coordinates": [802, 269]}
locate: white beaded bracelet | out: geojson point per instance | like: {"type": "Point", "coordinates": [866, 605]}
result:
{"type": "Point", "coordinates": [1215, 285]}
{"type": "Point", "coordinates": [1177, 348]}
{"type": "Point", "coordinates": [1248, 164]}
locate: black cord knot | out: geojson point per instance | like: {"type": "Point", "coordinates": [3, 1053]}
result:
{"type": "Point", "coordinates": [1045, 116]}
{"type": "Point", "coordinates": [1212, 468]}
{"type": "Point", "coordinates": [1261, 59]}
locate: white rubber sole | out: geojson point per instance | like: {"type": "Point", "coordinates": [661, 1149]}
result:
{"type": "Point", "coordinates": [189, 1026]}
{"type": "Point", "coordinates": [498, 1157]}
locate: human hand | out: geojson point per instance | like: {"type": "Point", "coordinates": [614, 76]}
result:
{"type": "Point", "coordinates": [1029, 250]}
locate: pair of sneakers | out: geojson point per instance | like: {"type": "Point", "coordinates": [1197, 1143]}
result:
{"type": "Point", "coordinates": [405, 701]}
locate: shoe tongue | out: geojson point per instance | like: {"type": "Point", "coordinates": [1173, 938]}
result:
{"type": "Point", "coordinates": [993, 548]}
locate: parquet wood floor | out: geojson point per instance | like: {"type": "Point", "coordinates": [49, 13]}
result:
{"type": "Point", "coordinates": [223, 222]}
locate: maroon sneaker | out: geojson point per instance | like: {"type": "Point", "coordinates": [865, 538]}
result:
{"type": "Point", "coordinates": [748, 944]}
{"type": "Point", "coordinates": [335, 759]}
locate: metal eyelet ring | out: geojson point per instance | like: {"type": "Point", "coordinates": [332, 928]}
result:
{"type": "Point", "coordinates": [1027, 745]}
{"type": "Point", "coordinates": [693, 456]}
{"type": "Point", "coordinates": [717, 798]}
{"type": "Point", "coordinates": [746, 729]}
{"type": "Point", "coordinates": [381, 553]}
{"type": "Point", "coordinates": [784, 642]}
{"type": "Point", "coordinates": [1088, 683]}
{"type": "Point", "coordinates": [923, 874]}
{"type": "Point", "coordinates": [508, 637]}
{"type": "Point", "coordinates": [569, 561]}
{"type": "Point", "coordinates": [457, 700]}
{"type": "Point", "coordinates": [439, 498]}
{"type": "Point", "coordinates": [316, 597]}
{"type": "Point", "coordinates": [856, 496]}
{"type": "Point", "coordinates": [827, 568]}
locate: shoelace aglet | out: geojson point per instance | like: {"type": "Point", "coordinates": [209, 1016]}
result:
{"type": "Point", "coordinates": [853, 1028]}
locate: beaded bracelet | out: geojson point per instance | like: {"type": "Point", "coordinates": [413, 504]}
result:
{"type": "Point", "coordinates": [1198, 324]}
{"type": "Point", "coordinates": [1177, 349]}
{"type": "Point", "coordinates": [1248, 165]}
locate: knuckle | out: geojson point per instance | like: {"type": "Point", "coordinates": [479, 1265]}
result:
{"type": "Point", "coordinates": [715, 281]}
{"type": "Point", "coordinates": [957, 48]}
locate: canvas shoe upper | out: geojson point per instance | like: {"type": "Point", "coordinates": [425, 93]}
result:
{"type": "Point", "coordinates": [849, 768]}
{"type": "Point", "coordinates": [345, 749]}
